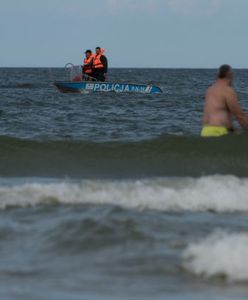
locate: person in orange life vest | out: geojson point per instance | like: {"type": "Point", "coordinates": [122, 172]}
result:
{"type": "Point", "coordinates": [100, 65]}
{"type": "Point", "coordinates": [88, 63]}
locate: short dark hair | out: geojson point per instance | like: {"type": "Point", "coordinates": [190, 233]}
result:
{"type": "Point", "coordinates": [88, 51]}
{"type": "Point", "coordinates": [223, 71]}
{"type": "Point", "coordinates": [99, 48]}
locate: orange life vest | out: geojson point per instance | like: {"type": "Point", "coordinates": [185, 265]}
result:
{"type": "Point", "coordinates": [88, 69]}
{"type": "Point", "coordinates": [97, 64]}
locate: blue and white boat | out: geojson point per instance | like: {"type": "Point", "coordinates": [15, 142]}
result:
{"type": "Point", "coordinates": [93, 86]}
{"type": "Point", "coordinates": [78, 85]}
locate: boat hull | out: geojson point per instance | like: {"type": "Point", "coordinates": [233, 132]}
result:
{"type": "Point", "coordinates": [81, 86]}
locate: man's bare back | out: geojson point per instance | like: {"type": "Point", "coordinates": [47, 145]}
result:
{"type": "Point", "coordinates": [216, 110]}
{"type": "Point", "coordinates": [221, 103]}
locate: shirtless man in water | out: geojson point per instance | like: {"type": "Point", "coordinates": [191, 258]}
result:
{"type": "Point", "coordinates": [221, 105]}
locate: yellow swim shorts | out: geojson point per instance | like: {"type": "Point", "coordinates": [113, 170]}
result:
{"type": "Point", "coordinates": [213, 131]}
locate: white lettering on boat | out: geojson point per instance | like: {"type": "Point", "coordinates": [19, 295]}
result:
{"type": "Point", "coordinates": [118, 88]}
{"type": "Point", "coordinates": [127, 88]}
{"type": "Point", "coordinates": [89, 86]}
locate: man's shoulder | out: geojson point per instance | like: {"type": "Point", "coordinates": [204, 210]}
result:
{"type": "Point", "coordinates": [230, 91]}
{"type": "Point", "coordinates": [211, 88]}
{"type": "Point", "coordinates": [222, 88]}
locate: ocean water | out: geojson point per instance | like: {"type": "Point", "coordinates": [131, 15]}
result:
{"type": "Point", "coordinates": [115, 196]}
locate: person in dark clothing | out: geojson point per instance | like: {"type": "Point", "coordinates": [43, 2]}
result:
{"type": "Point", "coordinates": [100, 65]}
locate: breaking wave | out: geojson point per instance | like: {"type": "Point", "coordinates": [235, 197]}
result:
{"type": "Point", "coordinates": [212, 193]}
{"type": "Point", "coordinates": [221, 254]}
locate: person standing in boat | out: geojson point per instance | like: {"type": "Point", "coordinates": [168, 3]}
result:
{"type": "Point", "coordinates": [88, 64]}
{"type": "Point", "coordinates": [100, 65]}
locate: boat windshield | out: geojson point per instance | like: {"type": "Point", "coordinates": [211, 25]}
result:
{"type": "Point", "coordinates": [73, 71]}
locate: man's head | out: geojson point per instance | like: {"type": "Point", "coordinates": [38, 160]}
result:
{"type": "Point", "coordinates": [98, 50]}
{"type": "Point", "coordinates": [88, 53]}
{"type": "Point", "coordinates": [225, 72]}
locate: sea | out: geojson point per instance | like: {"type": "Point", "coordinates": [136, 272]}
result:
{"type": "Point", "coordinates": [107, 196]}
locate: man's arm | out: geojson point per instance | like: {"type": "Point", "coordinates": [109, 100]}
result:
{"type": "Point", "coordinates": [105, 63]}
{"type": "Point", "coordinates": [236, 110]}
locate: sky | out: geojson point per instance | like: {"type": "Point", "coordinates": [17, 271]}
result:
{"type": "Point", "coordinates": [135, 33]}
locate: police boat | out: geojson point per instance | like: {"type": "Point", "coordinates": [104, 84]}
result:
{"type": "Point", "coordinates": [79, 84]}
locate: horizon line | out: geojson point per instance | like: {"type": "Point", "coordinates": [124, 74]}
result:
{"type": "Point", "coordinates": [156, 68]}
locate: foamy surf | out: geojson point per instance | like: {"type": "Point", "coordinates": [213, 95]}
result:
{"type": "Point", "coordinates": [213, 193]}
{"type": "Point", "coordinates": [220, 255]}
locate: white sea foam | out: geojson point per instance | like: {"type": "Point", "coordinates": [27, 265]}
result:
{"type": "Point", "coordinates": [220, 254]}
{"type": "Point", "coordinates": [215, 193]}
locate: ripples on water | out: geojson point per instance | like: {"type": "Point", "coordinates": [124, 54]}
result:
{"type": "Point", "coordinates": [36, 109]}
